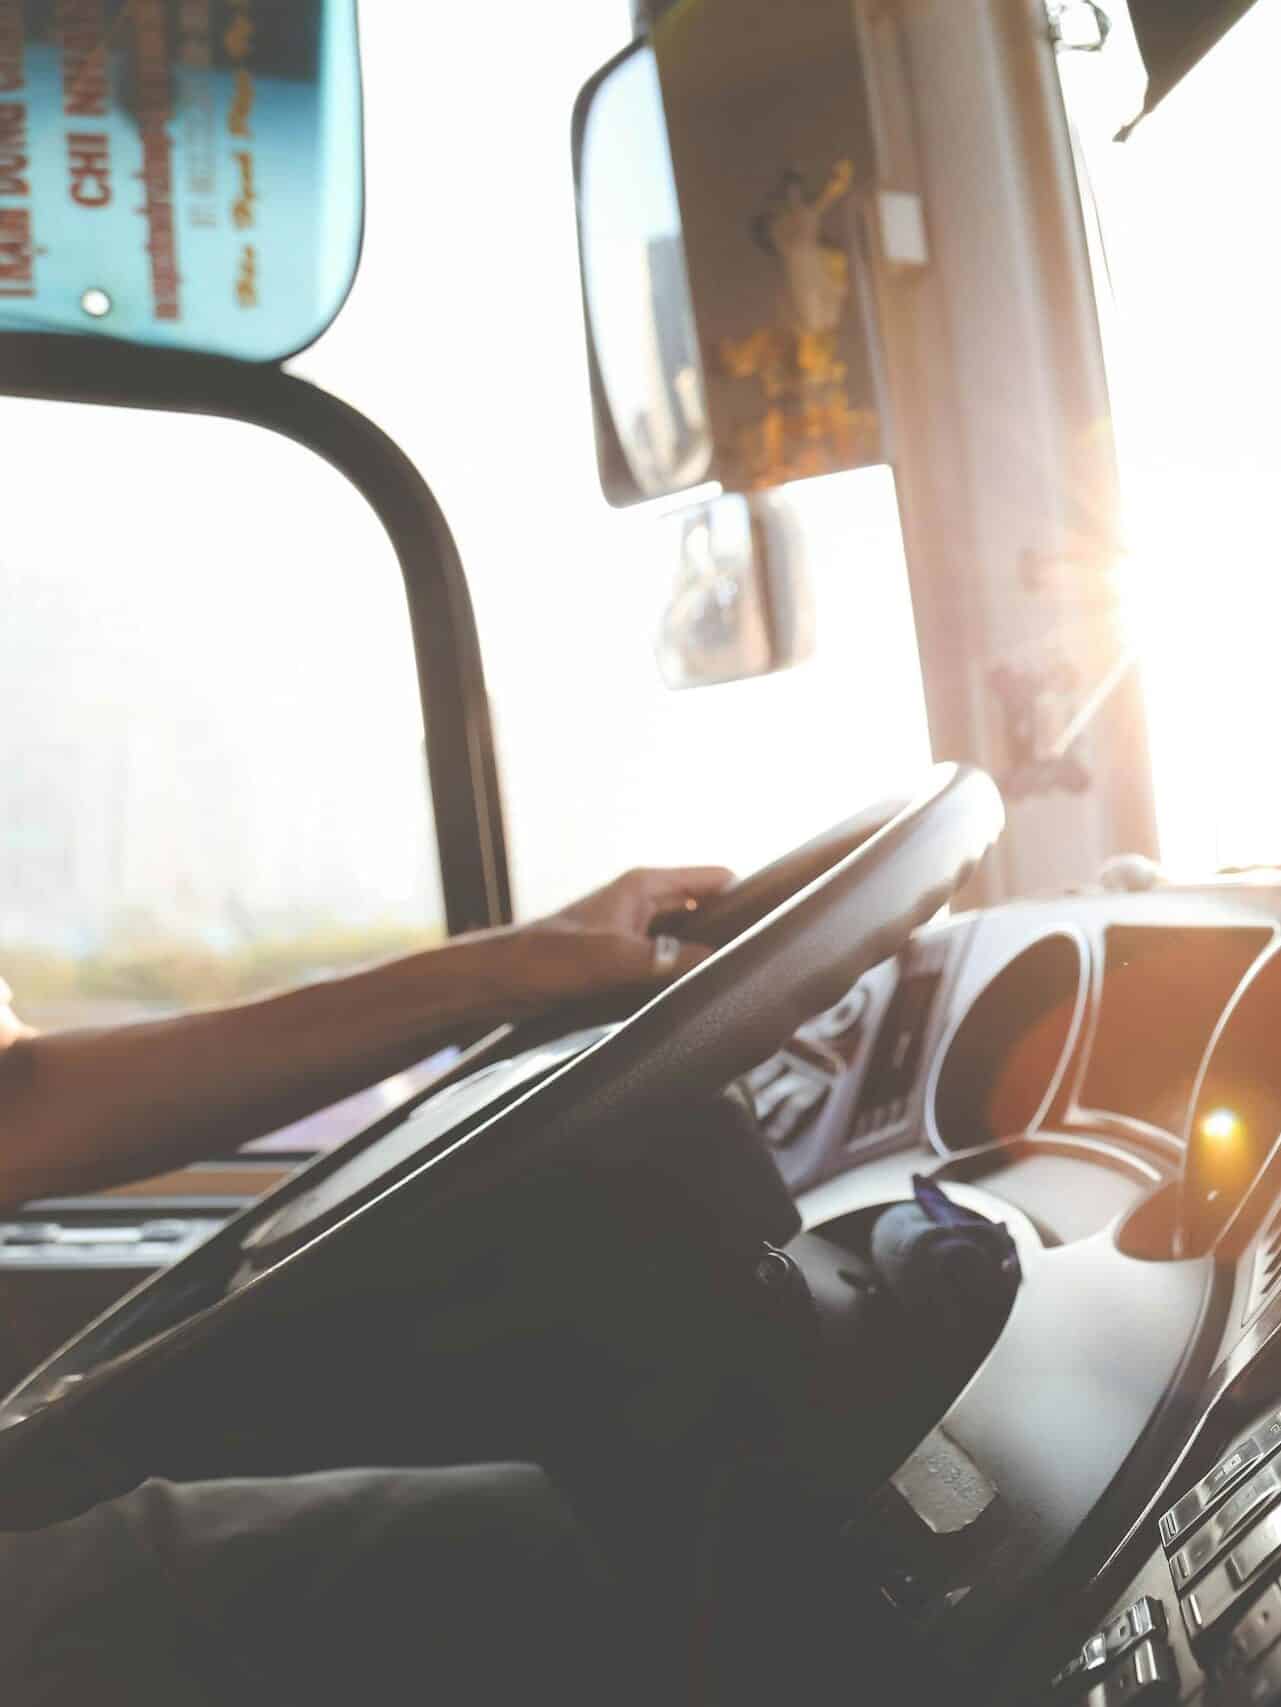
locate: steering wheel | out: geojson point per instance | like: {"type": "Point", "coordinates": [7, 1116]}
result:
{"type": "Point", "coordinates": [788, 960]}
{"type": "Point", "coordinates": [721, 918]}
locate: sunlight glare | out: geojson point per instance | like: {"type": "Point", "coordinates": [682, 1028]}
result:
{"type": "Point", "coordinates": [1186, 207]}
{"type": "Point", "coordinates": [1201, 604]}
{"type": "Point", "coordinates": [1221, 1127]}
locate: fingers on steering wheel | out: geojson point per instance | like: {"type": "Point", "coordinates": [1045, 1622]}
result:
{"type": "Point", "coordinates": [691, 883]}
{"type": "Point", "coordinates": [672, 958]}
{"type": "Point", "coordinates": [677, 894]}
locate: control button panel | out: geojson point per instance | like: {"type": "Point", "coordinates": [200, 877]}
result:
{"type": "Point", "coordinates": [1145, 1618]}
{"type": "Point", "coordinates": [1186, 1513]}
{"type": "Point", "coordinates": [842, 1023]}
{"type": "Point", "coordinates": [1223, 1546]}
{"type": "Point", "coordinates": [1256, 1632]}
{"type": "Point", "coordinates": [1147, 1675]}
{"type": "Point", "coordinates": [786, 1095]}
{"type": "Point", "coordinates": [1208, 1603]}
{"type": "Point", "coordinates": [1230, 1468]}
{"type": "Point", "coordinates": [1202, 1547]}
{"type": "Point", "coordinates": [1254, 1550]}
{"type": "Point", "coordinates": [891, 1083]}
{"type": "Point", "coordinates": [96, 1243]}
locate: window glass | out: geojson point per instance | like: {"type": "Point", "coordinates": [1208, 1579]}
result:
{"type": "Point", "coordinates": [469, 346]}
{"type": "Point", "coordinates": [212, 774]}
{"type": "Point", "coordinates": [1188, 268]}
{"type": "Point", "coordinates": [212, 778]}
{"type": "Point", "coordinates": [607, 767]}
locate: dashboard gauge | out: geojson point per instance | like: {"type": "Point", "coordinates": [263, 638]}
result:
{"type": "Point", "coordinates": [1005, 1060]}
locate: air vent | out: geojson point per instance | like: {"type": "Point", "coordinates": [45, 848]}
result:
{"type": "Point", "coordinates": [1267, 1268]}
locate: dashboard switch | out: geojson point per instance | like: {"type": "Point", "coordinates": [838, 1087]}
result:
{"type": "Point", "coordinates": [1146, 1675]}
{"type": "Point", "coordinates": [765, 1074]}
{"type": "Point", "coordinates": [1186, 1512]}
{"type": "Point", "coordinates": [1193, 1557]}
{"type": "Point", "coordinates": [1229, 1468]}
{"type": "Point", "coordinates": [1252, 1553]}
{"type": "Point", "coordinates": [785, 1093]}
{"type": "Point", "coordinates": [1145, 1618]}
{"type": "Point", "coordinates": [775, 1094]}
{"type": "Point", "coordinates": [1247, 1499]}
{"type": "Point", "coordinates": [1206, 1606]}
{"type": "Point", "coordinates": [1208, 1541]}
{"type": "Point", "coordinates": [804, 1098]}
{"type": "Point", "coordinates": [1223, 1587]}
{"type": "Point", "coordinates": [1181, 1516]}
{"type": "Point", "coordinates": [844, 1018]}
{"type": "Point", "coordinates": [29, 1232]}
{"type": "Point", "coordinates": [1258, 1630]}
{"type": "Point", "coordinates": [165, 1232]}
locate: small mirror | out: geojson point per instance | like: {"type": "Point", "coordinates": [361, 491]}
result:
{"type": "Point", "coordinates": [723, 174]}
{"type": "Point", "coordinates": [183, 173]}
{"type": "Point", "coordinates": [637, 295]}
{"type": "Point", "coordinates": [741, 605]}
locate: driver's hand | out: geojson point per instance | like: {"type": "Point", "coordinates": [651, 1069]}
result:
{"type": "Point", "coordinates": [11, 1027]}
{"type": "Point", "coordinates": [601, 943]}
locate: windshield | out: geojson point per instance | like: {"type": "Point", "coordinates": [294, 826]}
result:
{"type": "Point", "coordinates": [212, 767]}
{"type": "Point", "coordinates": [212, 771]}
{"type": "Point", "coordinates": [602, 766]}
{"type": "Point", "coordinates": [1188, 271]}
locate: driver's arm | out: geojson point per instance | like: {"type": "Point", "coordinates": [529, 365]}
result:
{"type": "Point", "coordinates": [82, 1109]}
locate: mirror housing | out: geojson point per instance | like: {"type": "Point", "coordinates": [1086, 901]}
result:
{"type": "Point", "coordinates": [725, 177]}
{"type": "Point", "coordinates": [742, 604]}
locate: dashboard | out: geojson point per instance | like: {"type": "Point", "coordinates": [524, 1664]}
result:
{"type": "Point", "coordinates": [1082, 1019]}
{"type": "Point", "coordinates": [1099, 1070]}
{"type": "Point", "coordinates": [1106, 1067]}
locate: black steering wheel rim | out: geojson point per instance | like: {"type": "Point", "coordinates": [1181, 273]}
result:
{"type": "Point", "coordinates": [692, 1038]}
{"type": "Point", "coordinates": [718, 920]}
{"type": "Point", "coordinates": [734, 1009]}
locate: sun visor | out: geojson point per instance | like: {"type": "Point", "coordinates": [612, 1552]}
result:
{"type": "Point", "coordinates": [184, 174]}
{"type": "Point", "coordinates": [1174, 36]}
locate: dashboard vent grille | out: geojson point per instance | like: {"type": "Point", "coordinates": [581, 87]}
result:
{"type": "Point", "coordinates": [1267, 1268]}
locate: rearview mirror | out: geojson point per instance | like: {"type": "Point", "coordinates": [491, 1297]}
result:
{"type": "Point", "coordinates": [635, 287]}
{"type": "Point", "coordinates": [723, 173]}
{"type": "Point", "coordinates": [741, 605]}
{"type": "Point", "coordinates": [180, 175]}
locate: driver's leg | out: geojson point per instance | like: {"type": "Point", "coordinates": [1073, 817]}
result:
{"type": "Point", "coordinates": [461, 1586]}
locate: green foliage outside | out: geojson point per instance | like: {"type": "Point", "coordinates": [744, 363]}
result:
{"type": "Point", "coordinates": [167, 971]}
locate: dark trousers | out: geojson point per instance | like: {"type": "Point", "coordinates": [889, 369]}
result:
{"type": "Point", "coordinates": [457, 1587]}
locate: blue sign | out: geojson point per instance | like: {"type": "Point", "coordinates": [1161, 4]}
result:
{"type": "Point", "coordinates": [183, 173]}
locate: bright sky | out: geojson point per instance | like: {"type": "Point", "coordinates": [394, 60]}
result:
{"type": "Point", "coordinates": [471, 263]}
{"type": "Point", "coordinates": [272, 598]}
{"type": "Point", "coordinates": [1189, 213]}
{"type": "Point", "coordinates": [224, 703]}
